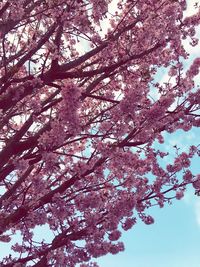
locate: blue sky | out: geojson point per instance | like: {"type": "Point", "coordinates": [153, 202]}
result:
{"type": "Point", "coordinates": [172, 241]}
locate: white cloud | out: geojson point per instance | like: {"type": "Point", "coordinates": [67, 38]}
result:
{"type": "Point", "coordinates": [190, 8]}
{"type": "Point", "coordinates": [188, 198]}
{"type": "Point", "coordinates": [197, 211]}
{"type": "Point", "coordinates": [194, 203]}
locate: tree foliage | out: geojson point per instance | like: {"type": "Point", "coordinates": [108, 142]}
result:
{"type": "Point", "coordinates": [81, 108]}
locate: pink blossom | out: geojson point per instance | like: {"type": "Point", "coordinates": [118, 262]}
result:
{"type": "Point", "coordinates": [128, 224]}
{"type": "Point", "coordinates": [83, 116]}
{"type": "Point", "coordinates": [179, 194]}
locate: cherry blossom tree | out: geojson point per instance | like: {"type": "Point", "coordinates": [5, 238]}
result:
{"type": "Point", "coordinates": [81, 108]}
